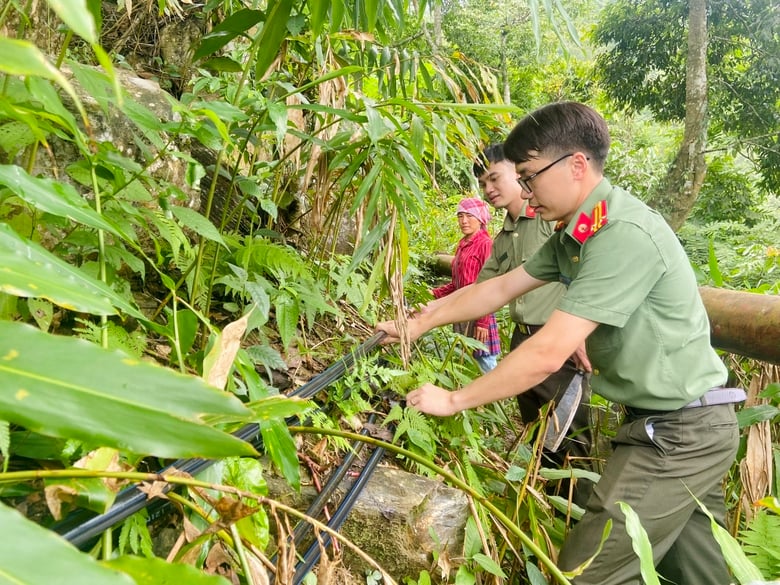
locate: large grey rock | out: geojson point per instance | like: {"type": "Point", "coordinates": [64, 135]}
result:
{"type": "Point", "coordinates": [394, 520]}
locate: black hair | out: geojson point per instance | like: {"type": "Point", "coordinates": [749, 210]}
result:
{"type": "Point", "coordinates": [492, 154]}
{"type": "Point", "coordinates": [557, 129]}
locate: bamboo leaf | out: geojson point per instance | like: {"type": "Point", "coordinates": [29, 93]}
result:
{"type": "Point", "coordinates": [70, 388]}
{"type": "Point", "coordinates": [641, 545]}
{"type": "Point", "coordinates": [270, 38]}
{"type": "Point", "coordinates": [25, 544]}
{"type": "Point", "coordinates": [28, 270]}
{"type": "Point", "coordinates": [743, 570]}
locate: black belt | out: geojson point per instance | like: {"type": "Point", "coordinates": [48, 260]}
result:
{"type": "Point", "coordinates": [711, 397]}
{"type": "Point", "coordinates": [527, 329]}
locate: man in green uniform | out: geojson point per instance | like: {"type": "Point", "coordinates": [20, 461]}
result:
{"type": "Point", "coordinates": [631, 293]}
{"type": "Point", "coordinates": [522, 234]}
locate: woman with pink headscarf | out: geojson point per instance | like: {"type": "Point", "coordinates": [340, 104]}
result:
{"type": "Point", "coordinates": [473, 249]}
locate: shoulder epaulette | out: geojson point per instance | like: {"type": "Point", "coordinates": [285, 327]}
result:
{"type": "Point", "coordinates": [587, 225]}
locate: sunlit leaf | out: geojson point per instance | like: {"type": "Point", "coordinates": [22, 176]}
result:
{"type": "Point", "coordinates": [53, 197]}
{"type": "Point", "coordinates": [28, 270]}
{"type": "Point", "coordinates": [71, 388]}
{"type": "Point", "coordinates": [24, 58]}
{"type": "Point", "coordinates": [641, 545]}
{"type": "Point", "coordinates": [75, 15]}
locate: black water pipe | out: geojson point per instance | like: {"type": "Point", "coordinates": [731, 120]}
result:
{"type": "Point", "coordinates": [80, 528]}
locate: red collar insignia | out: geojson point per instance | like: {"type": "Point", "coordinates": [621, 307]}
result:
{"type": "Point", "coordinates": [587, 225]}
{"type": "Point", "coordinates": [530, 212]}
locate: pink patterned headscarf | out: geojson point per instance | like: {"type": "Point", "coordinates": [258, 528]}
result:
{"type": "Point", "coordinates": [476, 207]}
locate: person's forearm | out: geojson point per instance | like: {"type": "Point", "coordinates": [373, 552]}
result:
{"type": "Point", "coordinates": [477, 300]}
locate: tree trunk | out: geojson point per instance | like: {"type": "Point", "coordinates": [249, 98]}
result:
{"type": "Point", "coordinates": [680, 188]}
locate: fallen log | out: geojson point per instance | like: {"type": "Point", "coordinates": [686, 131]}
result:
{"type": "Point", "coordinates": [743, 323]}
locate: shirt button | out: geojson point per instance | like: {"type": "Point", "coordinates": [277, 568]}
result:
{"type": "Point", "coordinates": [595, 372]}
{"type": "Point", "coordinates": [515, 235]}
{"type": "Point", "coordinates": [575, 259]}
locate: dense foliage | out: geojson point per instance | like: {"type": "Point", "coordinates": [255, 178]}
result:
{"type": "Point", "coordinates": [156, 286]}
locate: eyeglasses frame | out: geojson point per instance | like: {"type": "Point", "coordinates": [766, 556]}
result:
{"type": "Point", "coordinates": [524, 182]}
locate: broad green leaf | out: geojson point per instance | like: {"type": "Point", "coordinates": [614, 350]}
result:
{"type": "Point", "coordinates": [489, 565]}
{"type": "Point", "coordinates": [715, 273]}
{"type": "Point", "coordinates": [281, 447]}
{"type": "Point", "coordinates": [318, 11]}
{"type": "Point", "coordinates": [270, 38]}
{"type": "Point", "coordinates": [75, 15]}
{"type": "Point", "coordinates": [24, 58]}
{"type": "Point", "coordinates": [756, 414]}
{"type": "Point", "coordinates": [472, 542]}
{"type": "Point", "coordinates": [156, 571]}
{"type": "Point", "coordinates": [53, 197]}
{"type": "Point", "coordinates": [71, 388]}
{"type": "Point", "coordinates": [287, 314]}
{"type": "Point", "coordinates": [641, 545]}
{"type": "Point", "coordinates": [198, 223]}
{"type": "Point", "coordinates": [25, 544]}
{"type": "Point", "coordinates": [28, 270]}
{"type": "Point", "coordinates": [236, 24]}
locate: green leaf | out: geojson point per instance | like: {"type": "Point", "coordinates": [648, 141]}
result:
{"type": "Point", "coordinates": [155, 571]}
{"type": "Point", "coordinates": [199, 223]}
{"type": "Point", "coordinates": [224, 64]}
{"type": "Point", "coordinates": [715, 273]}
{"type": "Point", "coordinates": [28, 270]}
{"type": "Point", "coordinates": [641, 545]}
{"type": "Point", "coordinates": [53, 197]}
{"type": "Point", "coordinates": [25, 544]}
{"type": "Point", "coordinates": [75, 15]}
{"type": "Point", "coordinates": [489, 565]}
{"type": "Point", "coordinates": [234, 25]}
{"type": "Point", "coordinates": [24, 58]}
{"type": "Point", "coordinates": [743, 570]}
{"type": "Point", "coordinates": [287, 313]}
{"type": "Point", "coordinates": [71, 388]}
{"type": "Point", "coordinates": [472, 542]}
{"type": "Point", "coordinates": [756, 414]}
{"type": "Point", "coordinates": [270, 38]}
{"type": "Point", "coordinates": [281, 447]}
{"type": "Point", "coordinates": [318, 11]}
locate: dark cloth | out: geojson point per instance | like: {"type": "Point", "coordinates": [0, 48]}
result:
{"type": "Point", "coordinates": [579, 440]}
{"type": "Point", "coordinates": [659, 464]}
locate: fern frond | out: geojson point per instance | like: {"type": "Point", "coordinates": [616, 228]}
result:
{"type": "Point", "coordinates": [761, 543]}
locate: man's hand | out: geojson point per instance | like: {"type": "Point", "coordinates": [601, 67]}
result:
{"type": "Point", "coordinates": [433, 400]}
{"type": "Point", "coordinates": [580, 358]}
{"type": "Point", "coordinates": [481, 334]}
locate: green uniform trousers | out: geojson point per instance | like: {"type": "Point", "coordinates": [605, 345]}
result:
{"type": "Point", "coordinates": [659, 460]}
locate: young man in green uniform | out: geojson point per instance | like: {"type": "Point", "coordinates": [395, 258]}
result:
{"type": "Point", "coordinates": [632, 297]}
{"type": "Point", "coordinates": [522, 234]}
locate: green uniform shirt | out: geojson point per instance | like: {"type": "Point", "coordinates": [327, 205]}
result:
{"type": "Point", "coordinates": [631, 275]}
{"type": "Point", "coordinates": [512, 246]}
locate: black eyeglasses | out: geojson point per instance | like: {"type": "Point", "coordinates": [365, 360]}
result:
{"type": "Point", "coordinates": [524, 183]}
